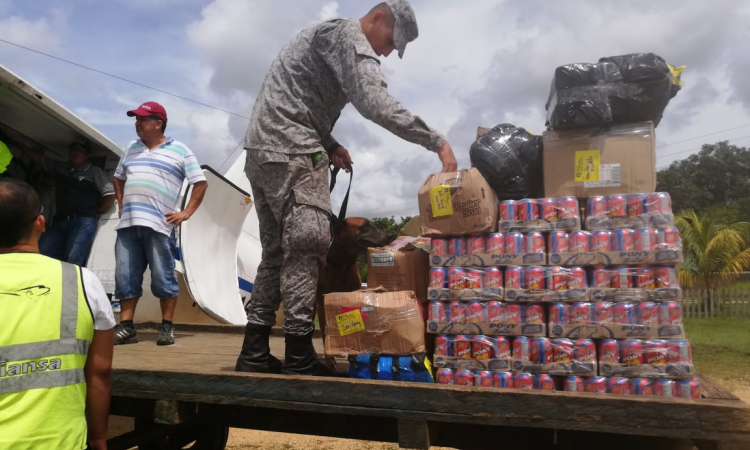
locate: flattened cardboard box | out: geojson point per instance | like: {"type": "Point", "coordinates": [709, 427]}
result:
{"type": "Point", "coordinates": [619, 159]}
{"type": "Point", "coordinates": [472, 201]}
{"type": "Point", "coordinates": [391, 323]}
{"type": "Point", "coordinates": [403, 265]}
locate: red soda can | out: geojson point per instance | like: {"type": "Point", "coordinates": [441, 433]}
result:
{"type": "Point", "coordinates": [523, 381]}
{"type": "Point", "coordinates": [688, 389]}
{"type": "Point", "coordinates": [663, 388]}
{"type": "Point", "coordinates": [576, 278]}
{"type": "Point", "coordinates": [556, 278]}
{"type": "Point", "coordinates": [503, 348]}
{"type": "Point", "coordinates": [464, 377]}
{"type": "Point", "coordinates": [438, 312]}
{"type": "Point", "coordinates": [622, 240]}
{"type": "Point", "coordinates": [666, 238]}
{"type": "Point", "coordinates": [533, 242]}
{"type": "Point", "coordinates": [596, 206]}
{"type": "Point", "coordinates": [558, 314]}
{"type": "Point", "coordinates": [533, 313]}
{"type": "Point", "coordinates": [678, 352]}
{"type": "Point", "coordinates": [493, 278]}
{"type": "Point", "coordinates": [655, 352]}
{"type": "Point", "coordinates": [549, 208]}
{"type": "Point", "coordinates": [562, 350]}
{"type": "Point", "coordinates": [618, 385]}
{"type": "Point", "coordinates": [637, 204]}
{"type": "Point", "coordinates": [446, 376]}
{"type": "Point", "coordinates": [601, 241]}
{"type": "Point", "coordinates": [557, 242]}
{"type": "Point", "coordinates": [456, 278]}
{"type": "Point", "coordinates": [601, 277]}
{"type": "Point", "coordinates": [573, 384]}
{"type": "Point", "coordinates": [438, 277]}
{"type": "Point", "coordinates": [473, 279]}
{"type": "Point", "coordinates": [567, 208]}
{"type": "Point", "coordinates": [514, 277]}
{"type": "Point", "coordinates": [579, 314]}
{"type": "Point", "coordinates": [495, 312]}
{"type": "Point", "coordinates": [617, 206]}
{"type": "Point", "coordinates": [642, 387]}
{"type": "Point", "coordinates": [540, 351]}
{"type": "Point", "coordinates": [514, 243]}
{"type": "Point", "coordinates": [666, 277]}
{"type": "Point", "coordinates": [476, 312]}
{"type": "Point", "coordinates": [584, 351]}
{"type": "Point", "coordinates": [508, 210]}
{"type": "Point", "coordinates": [631, 352]}
{"type": "Point", "coordinates": [624, 313]}
{"type": "Point", "coordinates": [670, 313]}
{"type": "Point", "coordinates": [502, 379]}
{"type": "Point", "coordinates": [483, 378]}
{"type": "Point", "coordinates": [644, 239]}
{"type": "Point", "coordinates": [596, 385]}
{"type": "Point", "coordinates": [622, 277]}
{"type": "Point", "coordinates": [457, 312]}
{"type": "Point", "coordinates": [533, 277]}
{"type": "Point", "coordinates": [603, 313]}
{"type": "Point", "coordinates": [496, 244]}
{"type": "Point", "coordinates": [463, 346]}
{"type": "Point", "coordinates": [483, 348]}
{"type": "Point", "coordinates": [457, 245]}
{"type": "Point", "coordinates": [659, 203]}
{"type": "Point", "coordinates": [513, 313]}
{"type": "Point", "coordinates": [477, 244]}
{"type": "Point", "coordinates": [528, 209]}
{"type": "Point", "coordinates": [648, 314]}
{"type": "Point", "coordinates": [444, 345]}
{"type": "Point", "coordinates": [645, 277]}
{"type": "Point", "coordinates": [579, 242]}
{"type": "Point", "coordinates": [521, 348]}
{"type": "Point", "coordinates": [439, 246]}
{"type": "Point", "coordinates": [609, 351]}
{"type": "Point", "coordinates": [544, 382]}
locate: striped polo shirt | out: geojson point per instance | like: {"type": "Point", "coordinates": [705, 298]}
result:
{"type": "Point", "coordinates": [153, 182]}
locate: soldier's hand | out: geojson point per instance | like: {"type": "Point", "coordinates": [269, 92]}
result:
{"type": "Point", "coordinates": [176, 218]}
{"type": "Point", "coordinates": [445, 153]}
{"type": "Point", "coordinates": [340, 157]}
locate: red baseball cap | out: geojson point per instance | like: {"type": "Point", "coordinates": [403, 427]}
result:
{"type": "Point", "coordinates": [150, 109]}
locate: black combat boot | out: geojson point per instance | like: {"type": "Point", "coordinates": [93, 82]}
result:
{"type": "Point", "coordinates": [256, 354]}
{"type": "Point", "coordinates": [300, 357]}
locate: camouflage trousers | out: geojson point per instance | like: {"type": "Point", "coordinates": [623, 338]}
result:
{"type": "Point", "coordinates": [294, 206]}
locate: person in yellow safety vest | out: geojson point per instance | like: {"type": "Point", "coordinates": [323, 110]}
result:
{"type": "Point", "coordinates": [5, 157]}
{"type": "Point", "coordinates": [56, 338]}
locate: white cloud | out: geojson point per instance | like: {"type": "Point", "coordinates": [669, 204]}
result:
{"type": "Point", "coordinates": [43, 34]}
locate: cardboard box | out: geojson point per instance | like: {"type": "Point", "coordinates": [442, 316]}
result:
{"type": "Point", "coordinates": [488, 328]}
{"type": "Point", "coordinates": [467, 204]}
{"type": "Point", "coordinates": [633, 222]}
{"type": "Point", "coordinates": [373, 321]}
{"type": "Point", "coordinates": [481, 131]}
{"type": "Point", "coordinates": [634, 294]}
{"type": "Point", "coordinates": [467, 295]}
{"type": "Point", "coordinates": [547, 295]}
{"type": "Point", "coordinates": [618, 159]}
{"type": "Point", "coordinates": [616, 331]}
{"type": "Point", "coordinates": [544, 225]}
{"type": "Point", "coordinates": [670, 371]}
{"type": "Point", "coordinates": [403, 265]}
{"type": "Point", "coordinates": [451, 362]}
{"type": "Point", "coordinates": [488, 260]}
{"type": "Point", "coordinates": [556, 368]}
{"type": "Point", "coordinates": [616, 258]}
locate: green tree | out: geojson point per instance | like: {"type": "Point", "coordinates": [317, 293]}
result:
{"type": "Point", "coordinates": [714, 251]}
{"type": "Point", "coordinates": [392, 227]}
{"type": "Point", "coordinates": [717, 177]}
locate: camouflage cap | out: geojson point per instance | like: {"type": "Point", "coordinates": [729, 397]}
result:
{"type": "Point", "coordinates": [405, 30]}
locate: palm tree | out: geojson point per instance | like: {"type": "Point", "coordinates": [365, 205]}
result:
{"type": "Point", "coordinates": [714, 252]}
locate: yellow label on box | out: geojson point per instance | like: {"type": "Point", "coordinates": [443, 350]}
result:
{"type": "Point", "coordinates": [587, 165]}
{"type": "Point", "coordinates": [350, 322]}
{"type": "Point", "coordinates": [440, 198]}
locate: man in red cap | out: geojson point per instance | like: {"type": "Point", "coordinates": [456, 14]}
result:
{"type": "Point", "coordinates": [148, 183]}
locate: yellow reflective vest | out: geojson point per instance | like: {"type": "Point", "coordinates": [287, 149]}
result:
{"type": "Point", "coordinates": [46, 328]}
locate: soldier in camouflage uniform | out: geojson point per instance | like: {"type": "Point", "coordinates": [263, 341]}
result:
{"type": "Point", "coordinates": [288, 145]}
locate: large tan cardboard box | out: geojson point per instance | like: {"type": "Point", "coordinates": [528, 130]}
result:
{"type": "Point", "coordinates": [404, 265]}
{"type": "Point", "coordinates": [373, 321]}
{"type": "Point", "coordinates": [471, 199]}
{"type": "Point", "coordinates": [618, 159]}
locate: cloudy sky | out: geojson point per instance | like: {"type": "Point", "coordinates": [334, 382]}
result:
{"type": "Point", "coordinates": [475, 63]}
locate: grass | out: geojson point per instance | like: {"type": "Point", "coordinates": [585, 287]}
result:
{"type": "Point", "coordinates": [721, 349]}
{"type": "Point", "coordinates": [742, 285]}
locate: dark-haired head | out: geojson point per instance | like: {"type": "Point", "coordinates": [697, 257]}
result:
{"type": "Point", "coordinates": [20, 219]}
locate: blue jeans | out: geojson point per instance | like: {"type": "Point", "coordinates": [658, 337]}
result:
{"type": "Point", "coordinates": [138, 247]}
{"type": "Point", "coordinates": [69, 240]}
